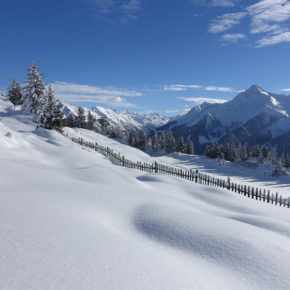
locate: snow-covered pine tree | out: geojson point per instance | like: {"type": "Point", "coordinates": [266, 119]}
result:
{"type": "Point", "coordinates": [287, 161]}
{"type": "Point", "coordinates": [70, 120]}
{"type": "Point", "coordinates": [132, 138]}
{"type": "Point", "coordinates": [170, 145]}
{"type": "Point", "coordinates": [104, 125]}
{"type": "Point", "coordinates": [81, 118]}
{"type": "Point", "coordinates": [155, 142]}
{"type": "Point", "coordinates": [266, 152]}
{"type": "Point", "coordinates": [52, 116]}
{"type": "Point", "coordinates": [46, 117]}
{"type": "Point", "coordinates": [190, 148]}
{"type": "Point", "coordinates": [206, 151]}
{"type": "Point", "coordinates": [233, 153]}
{"type": "Point", "coordinates": [279, 170]}
{"type": "Point", "coordinates": [181, 147]}
{"type": "Point", "coordinates": [14, 94]}
{"type": "Point", "coordinates": [162, 141]}
{"type": "Point", "coordinates": [34, 91]}
{"type": "Point", "coordinates": [91, 121]}
{"type": "Point", "coordinates": [142, 142]}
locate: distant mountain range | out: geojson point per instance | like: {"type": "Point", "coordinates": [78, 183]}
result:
{"type": "Point", "coordinates": [254, 116]}
{"type": "Point", "coordinates": [125, 120]}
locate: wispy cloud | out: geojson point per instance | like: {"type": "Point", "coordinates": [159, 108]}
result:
{"type": "Point", "coordinates": [226, 22]}
{"type": "Point", "coordinates": [285, 90]}
{"type": "Point", "coordinates": [76, 93]}
{"type": "Point", "coordinates": [215, 3]}
{"type": "Point", "coordinates": [219, 89]}
{"type": "Point", "coordinates": [181, 87]}
{"type": "Point", "coordinates": [232, 37]}
{"type": "Point", "coordinates": [123, 10]}
{"type": "Point", "coordinates": [203, 100]}
{"type": "Point", "coordinates": [268, 23]}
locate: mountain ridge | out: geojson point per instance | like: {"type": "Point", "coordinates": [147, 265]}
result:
{"type": "Point", "coordinates": [254, 116]}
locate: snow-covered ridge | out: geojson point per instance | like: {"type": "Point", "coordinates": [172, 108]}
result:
{"type": "Point", "coordinates": [251, 113]}
{"type": "Point", "coordinates": [125, 120]}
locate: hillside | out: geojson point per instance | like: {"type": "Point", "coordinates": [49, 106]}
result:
{"type": "Point", "coordinates": [253, 117]}
{"type": "Point", "coordinates": [70, 219]}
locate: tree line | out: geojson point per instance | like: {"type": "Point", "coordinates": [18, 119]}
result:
{"type": "Point", "coordinates": [36, 97]}
{"type": "Point", "coordinates": [233, 153]}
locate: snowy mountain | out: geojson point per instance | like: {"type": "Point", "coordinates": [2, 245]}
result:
{"type": "Point", "coordinates": [125, 119]}
{"type": "Point", "coordinates": [71, 219]}
{"type": "Point", "coordinates": [254, 116]}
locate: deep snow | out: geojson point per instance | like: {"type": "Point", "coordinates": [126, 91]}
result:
{"type": "Point", "coordinates": [70, 219]}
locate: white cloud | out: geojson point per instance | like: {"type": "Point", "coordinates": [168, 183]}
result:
{"type": "Point", "coordinates": [274, 39]}
{"type": "Point", "coordinates": [215, 3]}
{"type": "Point", "coordinates": [226, 22]}
{"type": "Point", "coordinates": [181, 87]}
{"type": "Point", "coordinates": [76, 93]}
{"type": "Point", "coordinates": [222, 3]}
{"type": "Point", "coordinates": [285, 90]}
{"type": "Point", "coordinates": [232, 37]}
{"type": "Point", "coordinates": [202, 100]}
{"type": "Point", "coordinates": [218, 89]}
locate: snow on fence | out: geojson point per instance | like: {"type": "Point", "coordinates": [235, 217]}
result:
{"type": "Point", "coordinates": [191, 175]}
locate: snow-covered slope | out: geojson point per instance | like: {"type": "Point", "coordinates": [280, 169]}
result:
{"type": "Point", "coordinates": [70, 219]}
{"type": "Point", "coordinates": [254, 116]}
{"type": "Point", "coordinates": [125, 119]}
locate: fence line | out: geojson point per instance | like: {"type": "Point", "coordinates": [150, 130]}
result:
{"type": "Point", "coordinates": [191, 175]}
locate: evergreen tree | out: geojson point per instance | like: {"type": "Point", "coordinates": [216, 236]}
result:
{"type": "Point", "coordinates": [190, 148]}
{"type": "Point", "coordinates": [181, 147]}
{"type": "Point", "coordinates": [155, 142]}
{"type": "Point", "coordinates": [81, 118]}
{"type": "Point", "coordinates": [91, 121]}
{"type": "Point", "coordinates": [162, 141]}
{"type": "Point", "coordinates": [70, 120]}
{"type": "Point", "coordinates": [266, 152]}
{"type": "Point", "coordinates": [170, 145]}
{"type": "Point", "coordinates": [132, 138]}
{"type": "Point", "coordinates": [257, 151]}
{"type": "Point", "coordinates": [104, 125]}
{"type": "Point", "coordinates": [52, 116]}
{"type": "Point", "coordinates": [206, 151]}
{"type": "Point", "coordinates": [142, 141]}
{"type": "Point", "coordinates": [233, 153]}
{"type": "Point", "coordinates": [14, 94]}
{"type": "Point", "coordinates": [287, 161]}
{"type": "Point", "coordinates": [244, 153]}
{"type": "Point", "coordinates": [33, 91]}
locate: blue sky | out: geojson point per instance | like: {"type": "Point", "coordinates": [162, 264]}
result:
{"type": "Point", "coordinates": [146, 55]}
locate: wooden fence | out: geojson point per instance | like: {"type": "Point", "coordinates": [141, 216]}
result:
{"type": "Point", "coordinates": [192, 175]}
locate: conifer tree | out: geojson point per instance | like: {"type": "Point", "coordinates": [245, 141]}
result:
{"type": "Point", "coordinates": [132, 138]}
{"type": "Point", "coordinates": [155, 142]}
{"type": "Point", "coordinates": [170, 145]}
{"type": "Point", "coordinates": [70, 120]}
{"type": "Point", "coordinates": [206, 151]}
{"type": "Point", "coordinates": [14, 94]}
{"type": "Point", "coordinates": [162, 141]}
{"type": "Point", "coordinates": [142, 141]}
{"type": "Point", "coordinates": [91, 121]}
{"type": "Point", "coordinates": [181, 147]}
{"type": "Point", "coordinates": [33, 91]}
{"type": "Point", "coordinates": [52, 116]}
{"type": "Point", "coordinates": [190, 148]}
{"type": "Point", "coordinates": [104, 125]}
{"type": "Point", "coordinates": [81, 118]}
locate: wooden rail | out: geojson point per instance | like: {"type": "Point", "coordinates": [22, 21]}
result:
{"type": "Point", "coordinates": [191, 175]}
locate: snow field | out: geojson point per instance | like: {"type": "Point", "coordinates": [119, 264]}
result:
{"type": "Point", "coordinates": [70, 219]}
